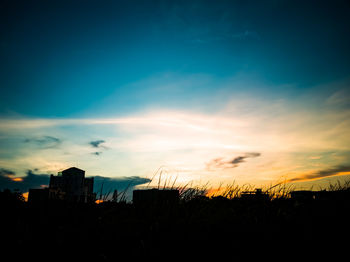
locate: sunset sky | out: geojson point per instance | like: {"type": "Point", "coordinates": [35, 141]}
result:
{"type": "Point", "coordinates": [254, 92]}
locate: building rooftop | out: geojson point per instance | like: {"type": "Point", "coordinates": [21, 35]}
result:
{"type": "Point", "coordinates": [73, 169]}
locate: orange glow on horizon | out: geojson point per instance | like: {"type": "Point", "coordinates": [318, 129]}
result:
{"type": "Point", "coordinates": [17, 179]}
{"type": "Point", "coordinates": [213, 192]}
{"type": "Point", "coordinates": [25, 195]}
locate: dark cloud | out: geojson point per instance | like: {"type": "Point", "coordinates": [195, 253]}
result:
{"type": "Point", "coordinates": [334, 171]}
{"type": "Point", "coordinates": [221, 163]}
{"type": "Point", "coordinates": [6, 172]}
{"type": "Point", "coordinates": [105, 186]}
{"type": "Point", "coordinates": [108, 184]}
{"type": "Point", "coordinates": [96, 153]}
{"type": "Point", "coordinates": [44, 142]}
{"type": "Point", "coordinates": [238, 160]}
{"type": "Point", "coordinates": [96, 143]}
{"type": "Point", "coordinates": [9, 180]}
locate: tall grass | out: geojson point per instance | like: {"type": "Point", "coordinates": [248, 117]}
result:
{"type": "Point", "coordinates": [338, 186]}
{"type": "Point", "coordinates": [166, 178]}
{"type": "Point", "coordinates": [188, 192]}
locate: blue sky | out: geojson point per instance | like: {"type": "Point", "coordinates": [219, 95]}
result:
{"type": "Point", "coordinates": [142, 63]}
{"type": "Point", "coordinates": [79, 53]}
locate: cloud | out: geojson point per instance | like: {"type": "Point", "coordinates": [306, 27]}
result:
{"type": "Point", "coordinates": [9, 180]}
{"type": "Point", "coordinates": [96, 143]}
{"type": "Point", "coordinates": [340, 98]}
{"type": "Point", "coordinates": [96, 153]}
{"type": "Point", "coordinates": [334, 171]}
{"type": "Point", "coordinates": [284, 130]}
{"type": "Point", "coordinates": [44, 142]}
{"type": "Point", "coordinates": [123, 185]}
{"type": "Point", "coordinates": [118, 183]}
{"type": "Point", "coordinates": [6, 172]}
{"type": "Point", "coordinates": [221, 163]}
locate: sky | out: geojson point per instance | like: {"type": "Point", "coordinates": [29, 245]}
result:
{"type": "Point", "coordinates": [251, 92]}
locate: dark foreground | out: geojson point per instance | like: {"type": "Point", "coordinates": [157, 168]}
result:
{"type": "Point", "coordinates": [197, 228]}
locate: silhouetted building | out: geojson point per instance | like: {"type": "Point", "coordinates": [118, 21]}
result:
{"type": "Point", "coordinates": [258, 194]}
{"type": "Point", "coordinates": [306, 195]}
{"type": "Point", "coordinates": [302, 195]}
{"type": "Point", "coordinates": [38, 195]}
{"type": "Point", "coordinates": [69, 185]}
{"type": "Point", "coordinates": [155, 197]}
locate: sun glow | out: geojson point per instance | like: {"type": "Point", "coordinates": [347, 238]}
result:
{"type": "Point", "coordinates": [217, 147]}
{"type": "Point", "coordinates": [25, 196]}
{"type": "Point", "coordinates": [17, 179]}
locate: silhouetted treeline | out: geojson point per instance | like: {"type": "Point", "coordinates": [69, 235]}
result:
{"type": "Point", "coordinates": [198, 227]}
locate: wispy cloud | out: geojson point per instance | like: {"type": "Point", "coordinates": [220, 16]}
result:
{"type": "Point", "coordinates": [44, 141]}
{"type": "Point", "coordinates": [329, 172]}
{"type": "Point", "coordinates": [221, 163]}
{"type": "Point", "coordinates": [340, 98]}
{"type": "Point", "coordinates": [277, 132]}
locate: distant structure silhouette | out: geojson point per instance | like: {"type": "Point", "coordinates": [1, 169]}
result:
{"type": "Point", "coordinates": [69, 185]}
{"type": "Point", "coordinates": [308, 195]}
{"type": "Point", "coordinates": [258, 194]}
{"type": "Point", "coordinates": [303, 195]}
